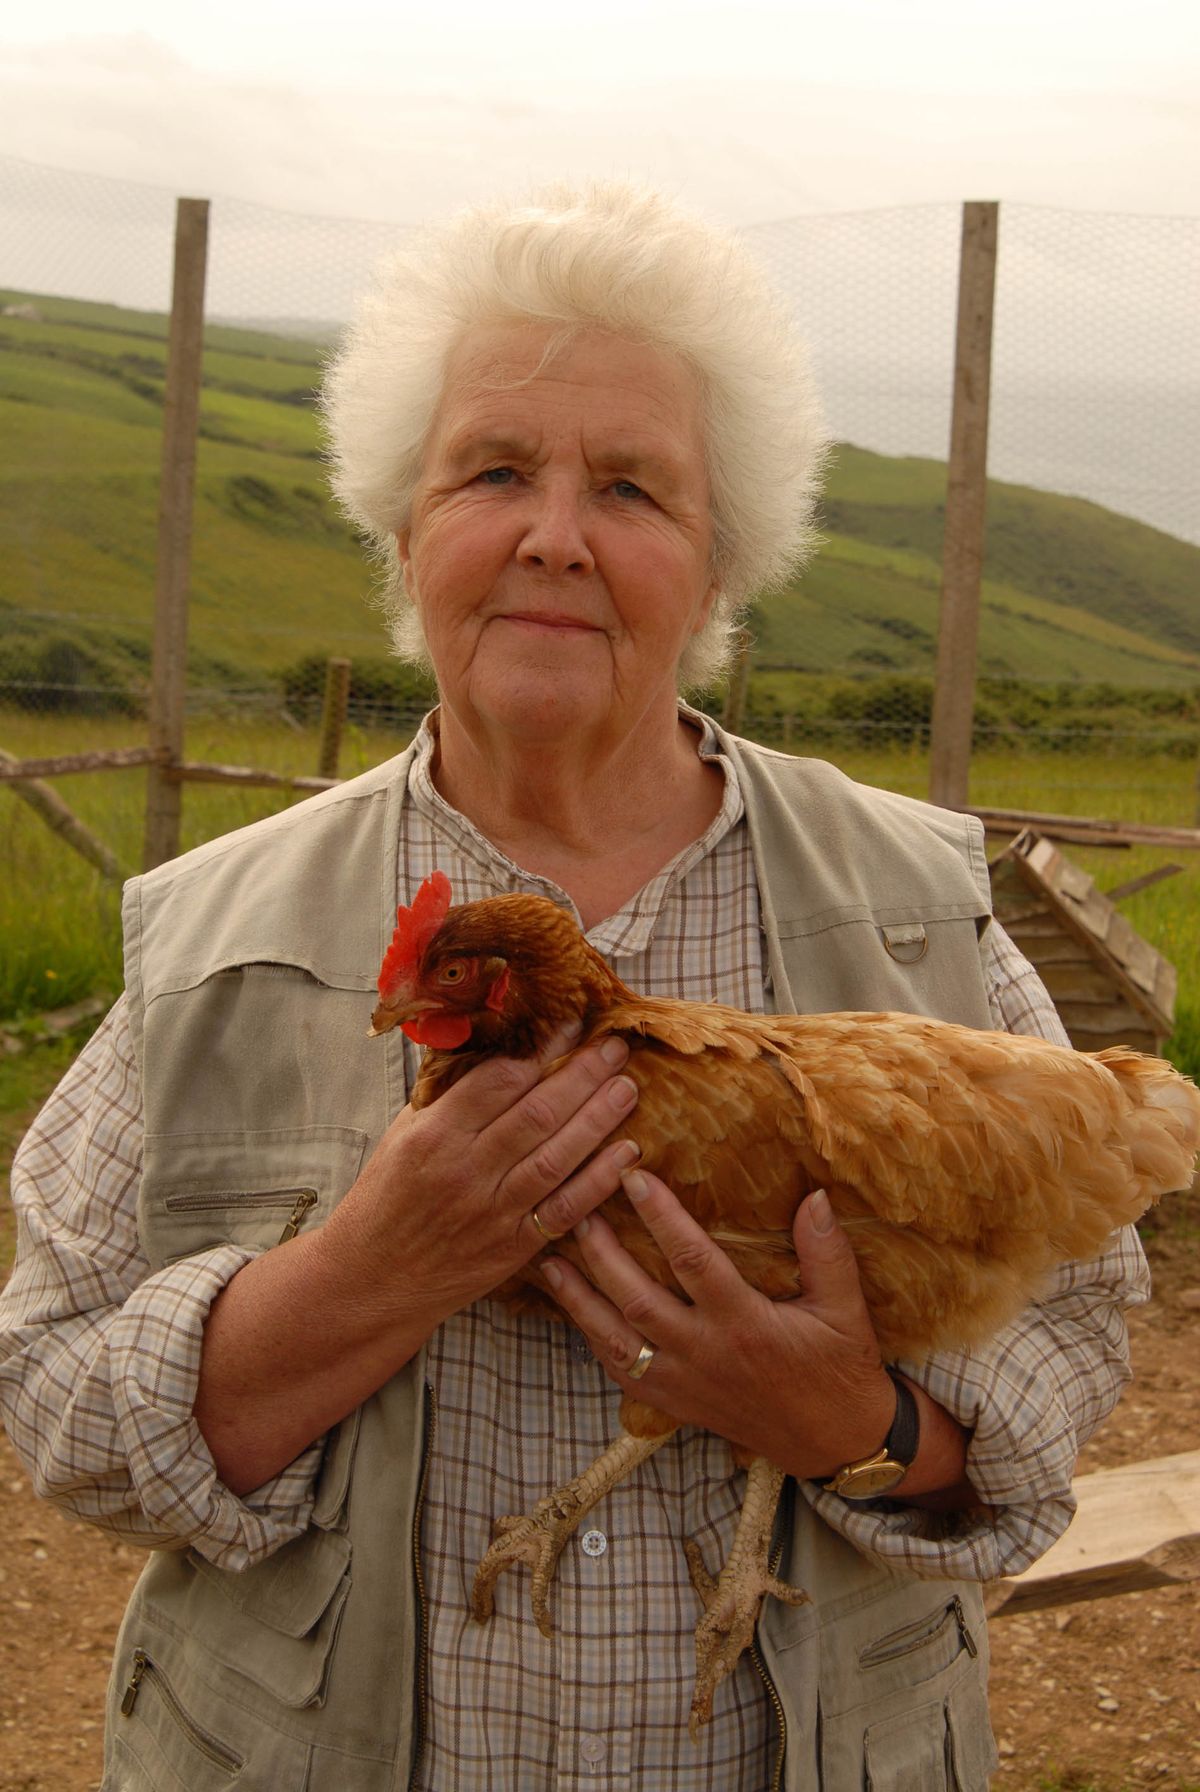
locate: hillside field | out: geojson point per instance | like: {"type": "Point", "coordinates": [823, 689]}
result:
{"type": "Point", "coordinates": [1073, 593]}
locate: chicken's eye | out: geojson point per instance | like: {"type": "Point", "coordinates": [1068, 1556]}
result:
{"type": "Point", "coordinates": [454, 972]}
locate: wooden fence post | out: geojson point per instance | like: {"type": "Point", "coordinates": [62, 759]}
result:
{"type": "Point", "coordinates": [333, 716]}
{"type": "Point", "coordinates": [966, 502]}
{"type": "Point", "coordinates": [181, 416]}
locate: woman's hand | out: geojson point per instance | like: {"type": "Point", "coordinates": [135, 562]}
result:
{"type": "Point", "coordinates": [800, 1382]}
{"type": "Point", "coordinates": [440, 1216]}
{"type": "Point", "coordinates": [443, 1211]}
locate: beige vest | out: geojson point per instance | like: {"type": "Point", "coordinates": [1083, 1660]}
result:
{"type": "Point", "coordinates": [250, 968]}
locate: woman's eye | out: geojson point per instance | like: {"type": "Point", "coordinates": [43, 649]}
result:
{"type": "Point", "coordinates": [498, 476]}
{"type": "Point", "coordinates": [625, 488]}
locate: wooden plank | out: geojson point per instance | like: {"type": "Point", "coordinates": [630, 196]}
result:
{"type": "Point", "coordinates": [1136, 1036]}
{"type": "Point", "coordinates": [1072, 880]}
{"type": "Point", "coordinates": [197, 771]}
{"type": "Point", "coordinates": [1119, 892]}
{"type": "Point", "coordinates": [58, 766]}
{"type": "Point", "coordinates": [64, 822]}
{"type": "Point", "coordinates": [1141, 961]}
{"type": "Point", "coordinates": [333, 716]}
{"type": "Point", "coordinates": [1082, 829]}
{"type": "Point", "coordinates": [1084, 981]}
{"type": "Point", "coordinates": [181, 417]}
{"type": "Point", "coordinates": [1136, 1527]}
{"type": "Point", "coordinates": [1048, 948]}
{"type": "Point", "coordinates": [966, 504]}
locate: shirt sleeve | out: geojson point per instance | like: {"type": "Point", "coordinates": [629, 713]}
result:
{"type": "Point", "coordinates": [1031, 1397]}
{"type": "Point", "coordinates": [100, 1357]}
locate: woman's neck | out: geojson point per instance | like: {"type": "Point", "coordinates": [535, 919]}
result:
{"type": "Point", "coordinates": [599, 819]}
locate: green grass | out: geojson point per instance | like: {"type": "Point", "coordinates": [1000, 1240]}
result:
{"type": "Point", "coordinates": [59, 923]}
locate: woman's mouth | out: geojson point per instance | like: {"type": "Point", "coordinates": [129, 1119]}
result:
{"type": "Point", "coordinates": [549, 622]}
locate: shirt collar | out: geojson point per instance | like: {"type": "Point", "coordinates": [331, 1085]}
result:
{"type": "Point", "coordinates": [631, 928]}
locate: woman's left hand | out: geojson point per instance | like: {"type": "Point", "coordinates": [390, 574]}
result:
{"type": "Point", "coordinates": [800, 1381]}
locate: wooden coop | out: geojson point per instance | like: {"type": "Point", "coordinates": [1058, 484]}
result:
{"type": "Point", "coordinates": [1109, 984]}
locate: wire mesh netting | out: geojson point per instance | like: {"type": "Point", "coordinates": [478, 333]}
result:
{"type": "Point", "coordinates": [1090, 630]}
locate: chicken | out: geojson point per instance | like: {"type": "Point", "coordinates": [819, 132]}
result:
{"type": "Point", "coordinates": [964, 1166]}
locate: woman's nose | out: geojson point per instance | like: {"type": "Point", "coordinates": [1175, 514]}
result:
{"type": "Point", "coordinates": [555, 540]}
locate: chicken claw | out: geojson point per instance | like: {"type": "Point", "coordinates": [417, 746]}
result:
{"type": "Point", "coordinates": [732, 1602]}
{"type": "Point", "coordinates": [541, 1535]}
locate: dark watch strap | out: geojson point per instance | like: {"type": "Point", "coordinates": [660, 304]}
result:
{"type": "Point", "coordinates": [904, 1438]}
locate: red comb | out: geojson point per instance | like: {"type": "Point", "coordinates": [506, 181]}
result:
{"type": "Point", "coordinates": [415, 928]}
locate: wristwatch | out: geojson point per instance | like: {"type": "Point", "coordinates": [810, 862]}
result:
{"type": "Point", "coordinates": [873, 1477]}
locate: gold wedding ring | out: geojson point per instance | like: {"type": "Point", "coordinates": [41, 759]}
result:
{"type": "Point", "coordinates": [550, 1237]}
{"type": "Point", "coordinates": [641, 1362]}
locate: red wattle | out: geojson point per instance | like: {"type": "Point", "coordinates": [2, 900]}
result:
{"type": "Point", "coordinates": [442, 1031]}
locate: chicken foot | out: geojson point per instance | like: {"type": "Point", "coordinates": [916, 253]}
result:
{"type": "Point", "coordinates": [733, 1601]}
{"type": "Point", "coordinates": [540, 1536]}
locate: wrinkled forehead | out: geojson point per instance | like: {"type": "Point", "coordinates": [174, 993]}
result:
{"type": "Point", "coordinates": [523, 371]}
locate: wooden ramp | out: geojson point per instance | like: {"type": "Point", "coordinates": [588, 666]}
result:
{"type": "Point", "coordinates": [1136, 1527]}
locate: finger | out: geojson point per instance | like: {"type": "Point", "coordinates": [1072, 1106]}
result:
{"type": "Point", "coordinates": [489, 1090]}
{"type": "Point", "coordinates": [614, 1341]}
{"type": "Point", "coordinates": [547, 1133]}
{"type": "Point", "coordinates": [701, 1268]}
{"type": "Point", "coordinates": [574, 1199]}
{"type": "Point", "coordinates": [828, 1268]}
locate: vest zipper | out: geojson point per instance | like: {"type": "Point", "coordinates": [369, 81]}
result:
{"type": "Point", "coordinates": [969, 1643]}
{"type": "Point", "coordinates": [913, 1637]}
{"type": "Point", "coordinates": [305, 1200]}
{"type": "Point", "coordinates": [205, 1200]}
{"type": "Point", "coordinates": [216, 1752]}
{"type": "Point", "coordinates": [772, 1692]}
{"type": "Point", "coordinates": [422, 1676]}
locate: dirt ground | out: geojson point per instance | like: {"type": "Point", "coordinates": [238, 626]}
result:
{"type": "Point", "coordinates": [1099, 1697]}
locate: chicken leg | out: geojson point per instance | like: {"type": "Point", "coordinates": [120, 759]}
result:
{"type": "Point", "coordinates": [732, 1602]}
{"type": "Point", "coordinates": [540, 1536]}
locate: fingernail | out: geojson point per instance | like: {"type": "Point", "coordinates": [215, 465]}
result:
{"type": "Point", "coordinates": [820, 1212]}
{"type": "Point", "coordinates": [552, 1274]}
{"type": "Point", "coordinates": [622, 1092]}
{"type": "Point", "coordinates": [582, 1227]}
{"type": "Point", "coordinates": [614, 1051]}
{"type": "Point", "coordinates": [635, 1185]}
{"type": "Point", "coordinates": [625, 1153]}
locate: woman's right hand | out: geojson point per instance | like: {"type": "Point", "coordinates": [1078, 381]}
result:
{"type": "Point", "coordinates": [442, 1212]}
{"type": "Point", "coordinates": [439, 1217]}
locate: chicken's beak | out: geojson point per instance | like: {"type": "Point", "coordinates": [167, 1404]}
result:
{"type": "Point", "coordinates": [394, 1010]}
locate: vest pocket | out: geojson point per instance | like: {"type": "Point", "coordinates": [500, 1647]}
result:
{"type": "Point", "coordinates": [255, 1189]}
{"type": "Point", "coordinates": [148, 1684]}
{"type": "Point", "coordinates": [905, 1709]}
{"type": "Point", "coordinates": [276, 1623]}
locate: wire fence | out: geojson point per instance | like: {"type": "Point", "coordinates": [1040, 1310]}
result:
{"type": "Point", "coordinates": [1090, 626]}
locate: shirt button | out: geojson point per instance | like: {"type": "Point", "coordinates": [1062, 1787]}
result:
{"type": "Point", "coordinates": [594, 1544]}
{"type": "Point", "coordinates": [593, 1749]}
{"type": "Point", "coordinates": [581, 1350]}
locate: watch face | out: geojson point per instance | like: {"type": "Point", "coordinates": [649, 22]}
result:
{"type": "Point", "coordinates": [871, 1481]}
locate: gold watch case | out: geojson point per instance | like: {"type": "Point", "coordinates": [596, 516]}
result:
{"type": "Point", "coordinates": [871, 1479]}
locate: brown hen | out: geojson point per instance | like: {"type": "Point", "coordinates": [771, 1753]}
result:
{"type": "Point", "coordinates": [964, 1166]}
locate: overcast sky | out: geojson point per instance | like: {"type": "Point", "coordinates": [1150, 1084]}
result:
{"type": "Point", "coordinates": [759, 110]}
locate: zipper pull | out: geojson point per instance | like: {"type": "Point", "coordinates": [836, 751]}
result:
{"type": "Point", "coordinates": [131, 1691]}
{"type": "Point", "coordinates": [304, 1200]}
{"type": "Point", "coordinates": [969, 1643]}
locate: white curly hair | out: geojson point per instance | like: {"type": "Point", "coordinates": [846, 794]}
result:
{"type": "Point", "coordinates": [622, 259]}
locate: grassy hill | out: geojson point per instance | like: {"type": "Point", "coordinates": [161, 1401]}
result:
{"type": "Point", "coordinates": [1073, 593]}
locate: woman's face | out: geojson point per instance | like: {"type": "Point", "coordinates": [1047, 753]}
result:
{"type": "Point", "coordinates": [559, 550]}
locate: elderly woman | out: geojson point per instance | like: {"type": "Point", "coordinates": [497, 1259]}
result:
{"type": "Point", "coordinates": [250, 1323]}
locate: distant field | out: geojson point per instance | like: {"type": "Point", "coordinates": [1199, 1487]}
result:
{"type": "Point", "coordinates": [1072, 592]}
